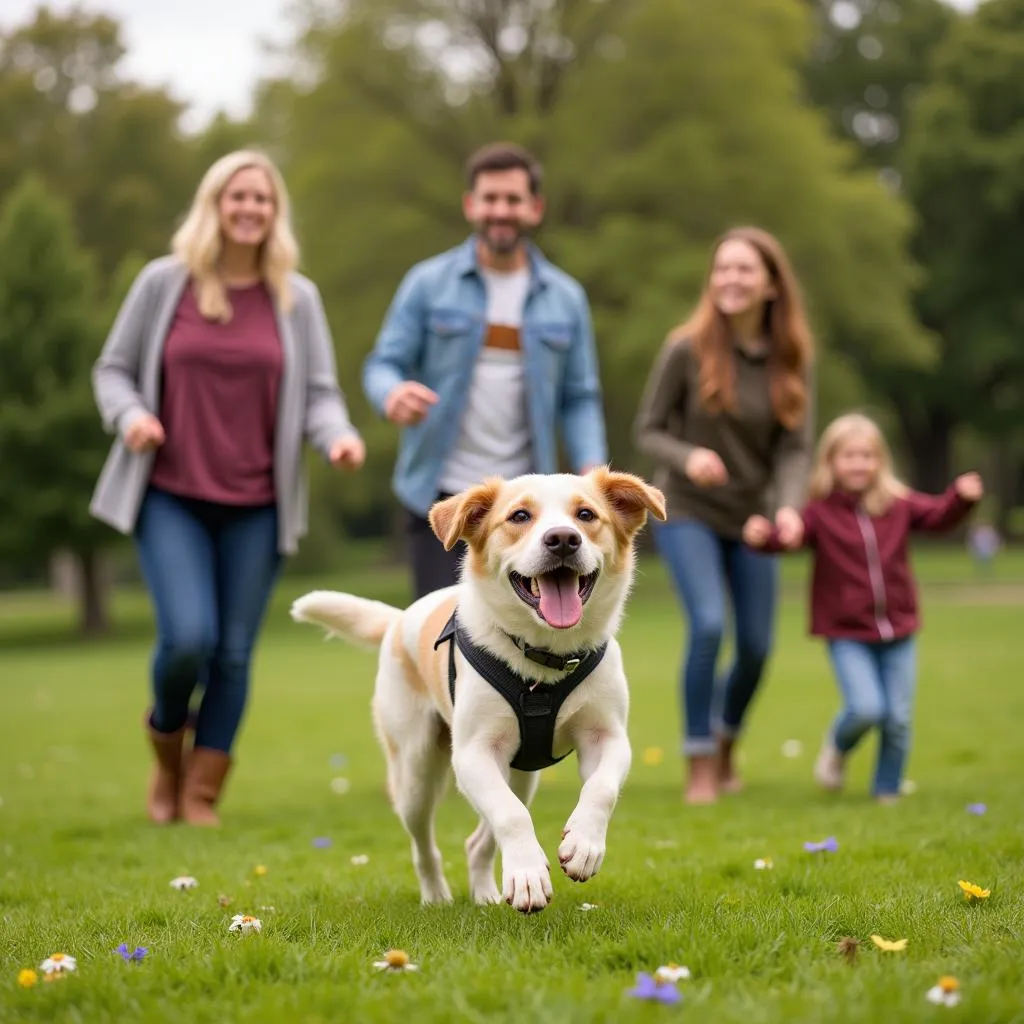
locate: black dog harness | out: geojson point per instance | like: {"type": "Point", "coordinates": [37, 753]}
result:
{"type": "Point", "coordinates": [536, 704]}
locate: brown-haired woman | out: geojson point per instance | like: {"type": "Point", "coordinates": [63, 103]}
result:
{"type": "Point", "coordinates": [727, 414]}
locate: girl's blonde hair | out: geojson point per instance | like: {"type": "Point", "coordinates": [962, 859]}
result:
{"type": "Point", "coordinates": [886, 487]}
{"type": "Point", "coordinates": [198, 242]}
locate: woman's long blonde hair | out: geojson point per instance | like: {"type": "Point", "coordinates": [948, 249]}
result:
{"type": "Point", "coordinates": [198, 242]}
{"type": "Point", "coordinates": [791, 344]}
{"type": "Point", "coordinates": [886, 487]}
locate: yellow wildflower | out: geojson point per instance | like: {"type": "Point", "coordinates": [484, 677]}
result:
{"type": "Point", "coordinates": [889, 945]}
{"type": "Point", "coordinates": [973, 892]}
{"type": "Point", "coordinates": [27, 978]}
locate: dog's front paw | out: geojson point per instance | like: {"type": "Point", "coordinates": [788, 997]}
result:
{"type": "Point", "coordinates": [435, 892]}
{"type": "Point", "coordinates": [526, 880]}
{"type": "Point", "coordinates": [582, 850]}
{"type": "Point", "coordinates": [485, 893]}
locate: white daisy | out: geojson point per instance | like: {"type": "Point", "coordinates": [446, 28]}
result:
{"type": "Point", "coordinates": [245, 923]}
{"type": "Point", "coordinates": [763, 864]}
{"type": "Point", "coordinates": [58, 963]}
{"type": "Point", "coordinates": [340, 785]}
{"type": "Point", "coordinates": [360, 859]}
{"type": "Point", "coordinates": [792, 748]}
{"type": "Point", "coordinates": [589, 906]}
{"type": "Point", "coordinates": [395, 960]}
{"type": "Point", "coordinates": [671, 973]}
{"type": "Point", "coordinates": [945, 993]}
{"type": "Point", "coordinates": [183, 882]}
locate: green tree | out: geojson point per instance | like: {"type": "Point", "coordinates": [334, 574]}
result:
{"type": "Point", "coordinates": [51, 444]}
{"type": "Point", "coordinates": [660, 124]}
{"type": "Point", "coordinates": [964, 172]}
{"type": "Point", "coordinates": [865, 65]}
{"type": "Point", "coordinates": [111, 148]}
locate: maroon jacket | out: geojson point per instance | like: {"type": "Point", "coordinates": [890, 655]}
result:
{"type": "Point", "coordinates": [862, 587]}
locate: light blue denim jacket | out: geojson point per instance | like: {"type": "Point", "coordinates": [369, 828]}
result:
{"type": "Point", "coordinates": [433, 332]}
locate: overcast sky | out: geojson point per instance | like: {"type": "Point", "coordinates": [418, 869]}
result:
{"type": "Point", "coordinates": [207, 52]}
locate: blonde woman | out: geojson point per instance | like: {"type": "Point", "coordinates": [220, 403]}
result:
{"type": "Point", "coordinates": [863, 598]}
{"type": "Point", "coordinates": [218, 365]}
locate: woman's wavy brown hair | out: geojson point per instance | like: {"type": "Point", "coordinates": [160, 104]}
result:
{"type": "Point", "coordinates": [791, 345]}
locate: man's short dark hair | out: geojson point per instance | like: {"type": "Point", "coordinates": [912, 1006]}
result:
{"type": "Point", "coordinates": [504, 156]}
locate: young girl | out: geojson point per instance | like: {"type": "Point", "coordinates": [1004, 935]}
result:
{"type": "Point", "coordinates": [863, 598]}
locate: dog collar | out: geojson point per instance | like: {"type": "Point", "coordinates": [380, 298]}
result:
{"type": "Point", "coordinates": [541, 656]}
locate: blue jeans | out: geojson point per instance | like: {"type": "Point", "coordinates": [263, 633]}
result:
{"type": "Point", "coordinates": [877, 681]}
{"type": "Point", "coordinates": [703, 565]}
{"type": "Point", "coordinates": [210, 570]}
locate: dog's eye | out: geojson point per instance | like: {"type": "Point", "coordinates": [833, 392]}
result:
{"type": "Point", "coordinates": [519, 516]}
{"type": "Point", "coordinates": [586, 515]}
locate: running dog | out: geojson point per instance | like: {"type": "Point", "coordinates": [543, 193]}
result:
{"type": "Point", "coordinates": [508, 672]}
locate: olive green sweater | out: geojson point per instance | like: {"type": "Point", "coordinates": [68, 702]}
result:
{"type": "Point", "coordinates": [768, 465]}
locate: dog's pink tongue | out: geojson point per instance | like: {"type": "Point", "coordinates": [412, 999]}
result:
{"type": "Point", "coordinates": [560, 602]}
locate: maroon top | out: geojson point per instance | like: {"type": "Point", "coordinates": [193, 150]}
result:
{"type": "Point", "coordinates": [218, 403]}
{"type": "Point", "coordinates": [862, 587]}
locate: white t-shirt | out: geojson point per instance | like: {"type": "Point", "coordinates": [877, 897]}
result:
{"type": "Point", "coordinates": [494, 436]}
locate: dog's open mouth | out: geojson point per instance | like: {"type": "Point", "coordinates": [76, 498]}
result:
{"type": "Point", "coordinates": [557, 596]}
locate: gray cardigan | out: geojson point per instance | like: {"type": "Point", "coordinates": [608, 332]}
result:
{"type": "Point", "coordinates": [126, 383]}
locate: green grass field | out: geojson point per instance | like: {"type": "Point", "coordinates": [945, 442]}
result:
{"type": "Point", "coordinates": [81, 871]}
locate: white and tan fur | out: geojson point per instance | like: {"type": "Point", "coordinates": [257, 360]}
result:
{"type": "Point", "coordinates": [421, 734]}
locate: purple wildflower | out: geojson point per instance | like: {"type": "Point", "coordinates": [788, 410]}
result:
{"type": "Point", "coordinates": [829, 845]}
{"type": "Point", "coordinates": [138, 954]}
{"type": "Point", "coordinates": [976, 809]}
{"type": "Point", "coordinates": [647, 987]}
{"type": "Point", "coordinates": [321, 842]}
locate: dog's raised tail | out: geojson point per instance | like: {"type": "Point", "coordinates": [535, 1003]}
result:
{"type": "Point", "coordinates": [356, 619]}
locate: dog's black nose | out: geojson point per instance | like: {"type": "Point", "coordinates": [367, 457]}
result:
{"type": "Point", "coordinates": [562, 541]}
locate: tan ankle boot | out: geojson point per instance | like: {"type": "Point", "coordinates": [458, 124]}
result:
{"type": "Point", "coordinates": [162, 803]}
{"type": "Point", "coordinates": [204, 780]}
{"type": "Point", "coordinates": [702, 780]}
{"type": "Point", "coordinates": [728, 780]}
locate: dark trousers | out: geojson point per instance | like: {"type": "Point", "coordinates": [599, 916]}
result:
{"type": "Point", "coordinates": [433, 568]}
{"type": "Point", "coordinates": [210, 570]}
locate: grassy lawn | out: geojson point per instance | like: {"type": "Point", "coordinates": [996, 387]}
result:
{"type": "Point", "coordinates": [81, 870]}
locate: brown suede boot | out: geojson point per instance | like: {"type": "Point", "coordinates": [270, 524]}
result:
{"type": "Point", "coordinates": [204, 780]}
{"type": "Point", "coordinates": [162, 804]}
{"type": "Point", "coordinates": [728, 780]}
{"type": "Point", "coordinates": [702, 779]}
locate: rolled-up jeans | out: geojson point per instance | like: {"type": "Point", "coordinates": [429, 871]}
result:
{"type": "Point", "coordinates": [877, 681]}
{"type": "Point", "coordinates": [704, 566]}
{"type": "Point", "coordinates": [210, 570]}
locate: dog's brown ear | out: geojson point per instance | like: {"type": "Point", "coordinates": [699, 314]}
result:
{"type": "Point", "coordinates": [630, 498]}
{"type": "Point", "coordinates": [461, 516]}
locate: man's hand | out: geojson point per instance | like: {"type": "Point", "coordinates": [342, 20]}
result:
{"type": "Point", "coordinates": [970, 487]}
{"type": "Point", "coordinates": [407, 403]}
{"type": "Point", "coordinates": [705, 468]}
{"type": "Point", "coordinates": [348, 452]}
{"type": "Point", "coordinates": [790, 526]}
{"type": "Point", "coordinates": [756, 531]}
{"type": "Point", "coordinates": [145, 433]}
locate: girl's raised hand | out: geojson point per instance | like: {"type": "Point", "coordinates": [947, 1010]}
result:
{"type": "Point", "coordinates": [969, 487]}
